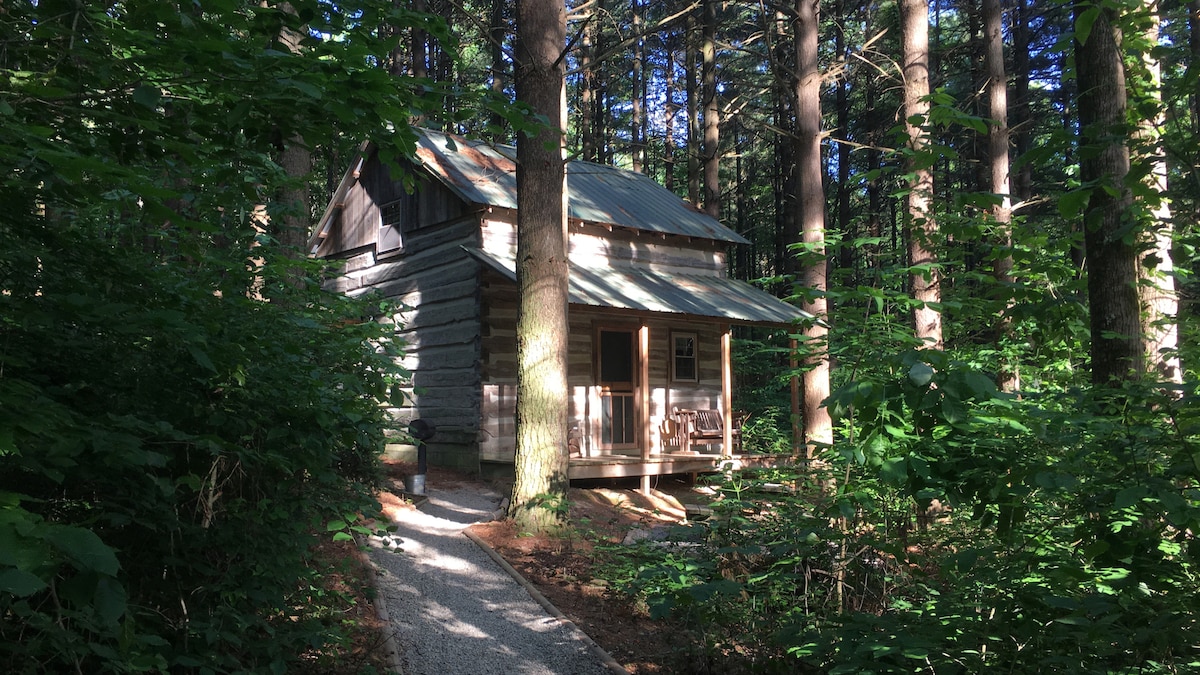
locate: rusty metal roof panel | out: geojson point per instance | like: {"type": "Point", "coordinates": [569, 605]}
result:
{"type": "Point", "coordinates": [670, 293]}
{"type": "Point", "coordinates": [483, 173]}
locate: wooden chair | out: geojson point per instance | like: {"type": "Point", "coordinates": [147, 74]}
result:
{"type": "Point", "coordinates": [705, 427]}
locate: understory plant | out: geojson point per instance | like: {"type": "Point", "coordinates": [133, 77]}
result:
{"type": "Point", "coordinates": [961, 530]}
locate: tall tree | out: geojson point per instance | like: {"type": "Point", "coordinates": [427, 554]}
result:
{"type": "Point", "coordinates": [1160, 303]}
{"type": "Point", "coordinates": [810, 202]}
{"type": "Point", "coordinates": [1116, 344]}
{"type": "Point", "coordinates": [922, 227]}
{"type": "Point", "coordinates": [693, 109]}
{"type": "Point", "coordinates": [998, 165]}
{"type": "Point", "coordinates": [712, 113]}
{"type": "Point", "coordinates": [542, 268]}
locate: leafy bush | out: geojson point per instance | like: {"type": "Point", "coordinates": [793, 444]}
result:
{"type": "Point", "coordinates": [1062, 538]}
{"type": "Point", "coordinates": [169, 446]}
{"type": "Point", "coordinates": [182, 409]}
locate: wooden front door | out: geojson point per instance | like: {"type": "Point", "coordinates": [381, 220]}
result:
{"type": "Point", "coordinates": [616, 370]}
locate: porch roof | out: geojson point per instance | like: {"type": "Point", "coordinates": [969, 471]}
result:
{"type": "Point", "coordinates": [634, 289]}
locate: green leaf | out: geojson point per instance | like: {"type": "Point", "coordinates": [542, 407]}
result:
{"type": "Point", "coordinates": [343, 536]}
{"type": "Point", "coordinates": [84, 548]}
{"type": "Point", "coordinates": [1129, 496]}
{"type": "Point", "coordinates": [1083, 24]}
{"type": "Point", "coordinates": [20, 583]}
{"type": "Point", "coordinates": [147, 96]}
{"type": "Point", "coordinates": [1074, 203]}
{"type": "Point", "coordinates": [110, 600]}
{"type": "Point", "coordinates": [201, 358]}
{"type": "Point", "coordinates": [920, 374]}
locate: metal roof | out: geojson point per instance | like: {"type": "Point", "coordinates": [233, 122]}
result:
{"type": "Point", "coordinates": [483, 173]}
{"type": "Point", "coordinates": [671, 293]}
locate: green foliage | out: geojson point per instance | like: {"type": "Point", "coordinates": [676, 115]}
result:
{"type": "Point", "coordinates": [183, 411]}
{"type": "Point", "coordinates": [1062, 538]}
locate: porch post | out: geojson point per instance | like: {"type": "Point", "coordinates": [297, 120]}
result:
{"type": "Point", "coordinates": [644, 398]}
{"type": "Point", "coordinates": [727, 391]}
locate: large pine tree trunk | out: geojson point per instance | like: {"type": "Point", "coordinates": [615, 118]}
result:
{"type": "Point", "coordinates": [1022, 182]}
{"type": "Point", "coordinates": [1117, 350]}
{"type": "Point", "coordinates": [914, 38]}
{"type": "Point", "coordinates": [810, 200]}
{"type": "Point", "coordinates": [669, 111]}
{"type": "Point", "coordinates": [497, 29]}
{"type": "Point", "coordinates": [712, 115]}
{"type": "Point", "coordinates": [637, 148]}
{"type": "Point", "coordinates": [693, 110]}
{"type": "Point", "coordinates": [541, 458]}
{"type": "Point", "coordinates": [587, 93]}
{"type": "Point", "coordinates": [998, 165]}
{"type": "Point", "coordinates": [1160, 302]}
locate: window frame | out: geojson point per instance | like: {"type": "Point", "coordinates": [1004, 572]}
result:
{"type": "Point", "coordinates": [675, 356]}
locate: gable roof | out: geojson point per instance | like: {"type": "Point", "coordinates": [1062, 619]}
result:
{"type": "Point", "coordinates": [486, 174]}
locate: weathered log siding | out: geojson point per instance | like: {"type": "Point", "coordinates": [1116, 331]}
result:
{"type": "Point", "coordinates": [436, 287]}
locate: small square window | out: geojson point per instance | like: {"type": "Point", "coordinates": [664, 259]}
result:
{"type": "Point", "coordinates": [683, 357]}
{"type": "Point", "coordinates": [392, 216]}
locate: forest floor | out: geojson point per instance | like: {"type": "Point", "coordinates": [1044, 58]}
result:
{"type": "Point", "coordinates": [561, 568]}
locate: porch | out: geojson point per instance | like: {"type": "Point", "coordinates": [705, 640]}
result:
{"type": "Point", "coordinates": [622, 466]}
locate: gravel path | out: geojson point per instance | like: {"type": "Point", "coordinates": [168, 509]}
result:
{"type": "Point", "coordinates": [455, 610]}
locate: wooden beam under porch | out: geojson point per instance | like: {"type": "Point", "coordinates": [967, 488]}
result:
{"type": "Point", "coordinates": [623, 466]}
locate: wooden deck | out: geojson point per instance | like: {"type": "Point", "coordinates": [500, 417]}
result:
{"type": "Point", "coordinates": [620, 466]}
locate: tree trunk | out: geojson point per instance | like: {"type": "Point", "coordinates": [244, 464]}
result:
{"type": "Point", "coordinates": [295, 157]}
{"type": "Point", "coordinates": [669, 111]}
{"type": "Point", "coordinates": [693, 112]}
{"type": "Point", "coordinates": [540, 492]}
{"type": "Point", "coordinates": [1117, 349]}
{"type": "Point", "coordinates": [914, 28]}
{"type": "Point", "coordinates": [587, 93]}
{"type": "Point", "coordinates": [1160, 302]}
{"type": "Point", "coordinates": [997, 89]}
{"type": "Point", "coordinates": [1023, 181]}
{"type": "Point", "coordinates": [637, 148]}
{"type": "Point", "coordinates": [845, 225]}
{"type": "Point", "coordinates": [1194, 39]}
{"type": "Point", "coordinates": [810, 201]}
{"type": "Point", "coordinates": [496, 31]}
{"type": "Point", "coordinates": [712, 118]}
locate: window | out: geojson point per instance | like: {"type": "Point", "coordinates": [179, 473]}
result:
{"type": "Point", "coordinates": [616, 358]}
{"type": "Point", "coordinates": [683, 357]}
{"type": "Point", "coordinates": [391, 217]}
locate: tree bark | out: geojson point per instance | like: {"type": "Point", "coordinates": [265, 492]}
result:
{"type": "Point", "coordinates": [1159, 300]}
{"type": "Point", "coordinates": [712, 115]}
{"type": "Point", "coordinates": [693, 111]}
{"type": "Point", "coordinates": [295, 157]}
{"type": "Point", "coordinates": [637, 148]}
{"type": "Point", "coordinates": [1022, 183]}
{"type": "Point", "coordinates": [1009, 378]}
{"type": "Point", "coordinates": [587, 93]}
{"type": "Point", "coordinates": [810, 200]}
{"type": "Point", "coordinates": [670, 109]}
{"type": "Point", "coordinates": [540, 492]}
{"type": "Point", "coordinates": [498, 27]}
{"type": "Point", "coordinates": [1117, 348]}
{"type": "Point", "coordinates": [914, 28]}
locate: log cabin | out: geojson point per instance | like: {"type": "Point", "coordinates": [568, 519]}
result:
{"type": "Point", "coordinates": [651, 307]}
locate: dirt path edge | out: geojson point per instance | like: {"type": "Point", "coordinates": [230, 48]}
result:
{"type": "Point", "coordinates": [609, 662]}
